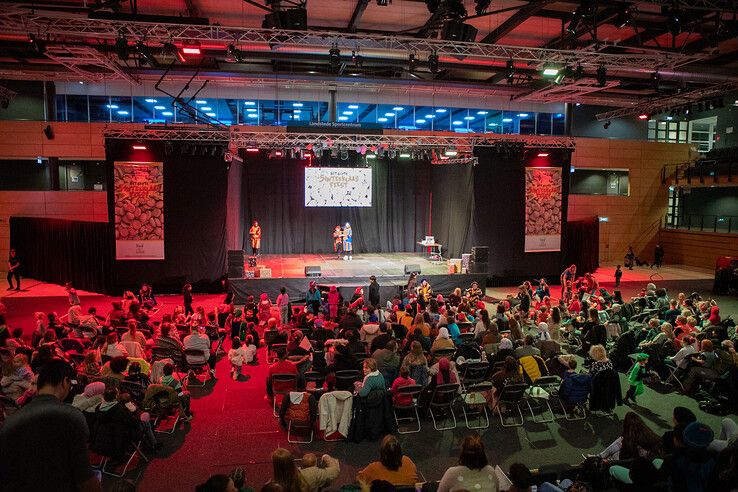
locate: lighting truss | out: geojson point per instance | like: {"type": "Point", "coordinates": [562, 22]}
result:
{"type": "Point", "coordinates": [664, 103]}
{"type": "Point", "coordinates": [727, 6]}
{"type": "Point", "coordinates": [565, 92]}
{"type": "Point", "coordinates": [19, 20]}
{"type": "Point", "coordinates": [87, 63]}
{"type": "Point", "coordinates": [269, 138]}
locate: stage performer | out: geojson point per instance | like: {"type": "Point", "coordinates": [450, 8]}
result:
{"type": "Point", "coordinates": [425, 291]}
{"type": "Point", "coordinates": [473, 294]}
{"type": "Point", "coordinates": [567, 276]}
{"type": "Point", "coordinates": [255, 234]}
{"type": "Point", "coordinates": [338, 241]}
{"type": "Point", "coordinates": [348, 242]}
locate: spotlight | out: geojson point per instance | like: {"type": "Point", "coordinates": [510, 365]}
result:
{"type": "Point", "coordinates": [334, 58]}
{"type": "Point", "coordinates": [481, 6]}
{"type": "Point", "coordinates": [643, 116]}
{"type": "Point", "coordinates": [433, 62]}
{"type": "Point", "coordinates": [550, 71]}
{"type": "Point", "coordinates": [584, 9]}
{"type": "Point", "coordinates": [146, 55]}
{"type": "Point", "coordinates": [38, 44]}
{"type": "Point", "coordinates": [383, 3]}
{"type": "Point", "coordinates": [412, 62]}
{"type": "Point", "coordinates": [357, 59]}
{"type": "Point", "coordinates": [602, 76]}
{"type": "Point", "coordinates": [624, 17]}
{"type": "Point", "coordinates": [607, 124]}
{"type": "Point", "coordinates": [655, 80]}
{"type": "Point", "coordinates": [122, 49]}
{"type": "Point", "coordinates": [578, 72]}
{"type": "Point", "coordinates": [674, 20]}
{"type": "Point", "coordinates": [450, 152]}
{"type": "Point", "coordinates": [234, 54]}
{"type": "Point", "coordinates": [510, 67]}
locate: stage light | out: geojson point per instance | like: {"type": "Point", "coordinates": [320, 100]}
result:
{"type": "Point", "coordinates": [430, 116]}
{"type": "Point", "coordinates": [412, 62]}
{"type": "Point", "coordinates": [383, 3]}
{"type": "Point", "coordinates": [152, 101]}
{"type": "Point", "coordinates": [583, 10]}
{"type": "Point", "coordinates": [298, 111]}
{"type": "Point", "coordinates": [353, 106]}
{"type": "Point", "coordinates": [643, 116]}
{"type": "Point", "coordinates": [421, 121]}
{"type": "Point", "coordinates": [252, 110]}
{"type": "Point", "coordinates": [441, 110]}
{"type": "Point", "coordinates": [673, 20]}
{"type": "Point", "coordinates": [404, 155]}
{"type": "Point", "coordinates": [252, 149]}
{"type": "Point", "coordinates": [602, 76]}
{"type": "Point", "coordinates": [543, 154]}
{"type": "Point", "coordinates": [192, 48]}
{"type": "Point", "coordinates": [212, 115]}
{"type": "Point", "coordinates": [146, 55]}
{"type": "Point", "coordinates": [433, 63]}
{"type": "Point", "coordinates": [607, 124]}
{"type": "Point", "coordinates": [334, 58]}
{"type": "Point", "coordinates": [482, 112]}
{"type": "Point", "coordinates": [550, 71]}
{"type": "Point", "coordinates": [122, 49]}
{"type": "Point", "coordinates": [233, 54]}
{"type": "Point", "coordinates": [357, 59]}
{"type": "Point", "coordinates": [624, 17]}
{"type": "Point", "coordinates": [510, 68]}
{"type": "Point", "coordinates": [450, 152]}
{"type": "Point", "coordinates": [139, 147]}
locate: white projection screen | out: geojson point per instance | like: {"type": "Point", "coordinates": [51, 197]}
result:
{"type": "Point", "coordinates": [338, 187]}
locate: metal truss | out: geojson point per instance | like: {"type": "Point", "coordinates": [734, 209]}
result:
{"type": "Point", "coordinates": [87, 63]}
{"type": "Point", "coordinates": [712, 5]}
{"type": "Point", "coordinates": [268, 138]}
{"type": "Point", "coordinates": [6, 95]}
{"type": "Point", "coordinates": [19, 20]}
{"type": "Point", "coordinates": [650, 106]}
{"type": "Point", "coordinates": [565, 92]}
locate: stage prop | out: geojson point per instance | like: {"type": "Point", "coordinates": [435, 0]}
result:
{"type": "Point", "coordinates": [59, 251]}
{"type": "Point", "coordinates": [139, 210]}
{"type": "Point", "coordinates": [543, 209]}
{"type": "Point", "coordinates": [338, 187]}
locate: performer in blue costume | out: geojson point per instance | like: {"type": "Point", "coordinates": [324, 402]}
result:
{"type": "Point", "coordinates": [348, 246]}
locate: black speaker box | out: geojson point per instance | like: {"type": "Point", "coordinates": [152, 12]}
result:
{"type": "Point", "coordinates": [312, 270]}
{"type": "Point", "coordinates": [479, 267]}
{"type": "Point", "coordinates": [235, 271]}
{"type": "Point", "coordinates": [458, 31]}
{"type": "Point", "coordinates": [480, 254]}
{"type": "Point", "coordinates": [412, 269]}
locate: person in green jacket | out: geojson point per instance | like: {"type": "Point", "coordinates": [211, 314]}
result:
{"type": "Point", "coordinates": [635, 378]}
{"type": "Point", "coordinates": [373, 379]}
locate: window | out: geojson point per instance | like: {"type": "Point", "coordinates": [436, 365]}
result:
{"type": "Point", "coordinates": [599, 182]}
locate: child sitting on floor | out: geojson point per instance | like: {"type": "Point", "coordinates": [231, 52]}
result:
{"type": "Point", "coordinates": [237, 357]}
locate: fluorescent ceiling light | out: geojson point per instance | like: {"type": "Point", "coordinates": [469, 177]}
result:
{"type": "Point", "coordinates": [398, 108]}
{"type": "Point", "coordinates": [507, 120]}
{"type": "Point", "coordinates": [441, 110]}
{"type": "Point", "coordinates": [149, 100]}
{"type": "Point", "coordinates": [167, 113]}
{"type": "Point", "coordinates": [420, 121]}
{"type": "Point", "coordinates": [201, 101]}
{"type": "Point", "coordinates": [353, 106]}
{"type": "Point", "coordinates": [249, 103]}
{"type": "Point", "coordinates": [123, 113]}
{"type": "Point", "coordinates": [550, 71]}
{"type": "Point", "coordinates": [482, 112]}
{"type": "Point", "coordinates": [160, 107]}
{"type": "Point", "coordinates": [382, 120]}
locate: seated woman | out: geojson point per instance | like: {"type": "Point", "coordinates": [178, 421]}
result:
{"type": "Point", "coordinates": [392, 466]}
{"type": "Point", "coordinates": [417, 363]}
{"type": "Point", "coordinates": [509, 374]}
{"type": "Point", "coordinates": [373, 379]}
{"type": "Point", "coordinates": [133, 335]}
{"type": "Point", "coordinates": [286, 473]}
{"type": "Point", "coordinates": [599, 358]}
{"type": "Point", "coordinates": [17, 377]}
{"type": "Point", "coordinates": [442, 342]}
{"type": "Point", "coordinates": [637, 441]}
{"type": "Point", "coordinates": [112, 347]}
{"type": "Point", "coordinates": [473, 471]}
{"type": "Point", "coordinates": [401, 381]}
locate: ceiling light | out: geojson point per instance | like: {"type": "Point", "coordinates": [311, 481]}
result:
{"type": "Point", "coordinates": [139, 147]}
{"type": "Point", "coordinates": [149, 100]}
{"type": "Point", "coordinates": [353, 106]}
{"type": "Point", "coordinates": [507, 120]}
{"type": "Point", "coordinates": [643, 116]}
{"type": "Point", "coordinates": [421, 121]}
{"type": "Point", "coordinates": [482, 112]}
{"type": "Point", "coordinates": [249, 103]}
{"type": "Point", "coordinates": [252, 115]}
{"type": "Point", "coordinates": [543, 154]}
{"type": "Point", "coordinates": [371, 156]}
{"type": "Point", "coordinates": [206, 108]}
{"type": "Point", "coordinates": [201, 101]}
{"type": "Point", "coordinates": [167, 113]}
{"type": "Point", "coordinates": [389, 115]}
{"type": "Point", "coordinates": [146, 55]}
{"type": "Point", "coordinates": [296, 111]}
{"type": "Point", "coordinates": [398, 108]}
{"type": "Point", "coordinates": [522, 115]}
{"type": "Point", "coordinates": [123, 113]}
{"type": "Point", "coordinates": [430, 116]}
{"type": "Point", "coordinates": [212, 115]}
{"type": "Point", "coordinates": [348, 112]}
{"type": "Point", "coordinates": [343, 118]}
{"type": "Point", "coordinates": [404, 155]}
{"type": "Point", "coordinates": [297, 105]}
{"type": "Point", "coordinates": [456, 123]}
{"type": "Point", "coordinates": [251, 110]}
{"type": "Point", "coordinates": [111, 106]}
{"type": "Point", "coordinates": [669, 118]}
{"type": "Point", "coordinates": [550, 71]}
{"type": "Point", "coordinates": [252, 149]}
{"type": "Point", "coordinates": [468, 118]}
{"type": "Point", "coordinates": [441, 110]}
{"type": "Point", "coordinates": [160, 107]}
{"type": "Point", "coordinates": [192, 48]}
{"type": "Point", "coordinates": [382, 120]}
{"type": "Point", "coordinates": [450, 152]}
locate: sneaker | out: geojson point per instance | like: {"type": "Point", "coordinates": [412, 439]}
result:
{"type": "Point", "coordinates": [187, 418]}
{"type": "Point", "coordinates": [212, 372]}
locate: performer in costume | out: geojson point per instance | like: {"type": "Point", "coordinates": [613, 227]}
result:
{"type": "Point", "coordinates": [348, 246]}
{"type": "Point", "coordinates": [255, 234]}
{"type": "Point", "coordinates": [338, 241]}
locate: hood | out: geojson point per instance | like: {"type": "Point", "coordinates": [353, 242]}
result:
{"type": "Point", "coordinates": [371, 328]}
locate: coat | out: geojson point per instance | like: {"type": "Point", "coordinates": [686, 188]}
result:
{"type": "Point", "coordinates": [575, 388]}
{"type": "Point", "coordinates": [606, 391]}
{"type": "Point", "coordinates": [373, 417]}
{"type": "Point", "coordinates": [635, 377]}
{"type": "Point", "coordinates": [335, 409]}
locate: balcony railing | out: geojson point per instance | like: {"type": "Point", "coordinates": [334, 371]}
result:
{"type": "Point", "coordinates": [703, 223]}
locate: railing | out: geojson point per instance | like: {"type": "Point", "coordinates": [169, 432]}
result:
{"type": "Point", "coordinates": [704, 223]}
{"type": "Point", "coordinates": [702, 170]}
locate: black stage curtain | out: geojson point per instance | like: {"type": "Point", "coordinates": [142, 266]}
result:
{"type": "Point", "coordinates": [195, 190]}
{"type": "Point", "coordinates": [499, 215]}
{"type": "Point", "coordinates": [583, 244]}
{"type": "Point", "coordinates": [59, 251]}
{"type": "Point", "coordinates": [273, 194]}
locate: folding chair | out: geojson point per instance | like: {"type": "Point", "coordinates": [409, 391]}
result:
{"type": "Point", "coordinates": [347, 378]}
{"type": "Point", "coordinates": [549, 384]}
{"type": "Point", "coordinates": [283, 379]}
{"type": "Point", "coordinates": [473, 373]}
{"type": "Point", "coordinates": [221, 338]}
{"type": "Point", "coordinates": [134, 389]}
{"type": "Point", "coordinates": [472, 400]}
{"type": "Point", "coordinates": [272, 351]}
{"type": "Point", "coordinates": [298, 423]}
{"type": "Point", "coordinates": [160, 353]}
{"type": "Point", "coordinates": [412, 391]}
{"type": "Point", "coordinates": [135, 451]}
{"type": "Point", "coordinates": [466, 338]}
{"type": "Point", "coordinates": [673, 376]}
{"type": "Point", "coordinates": [162, 408]}
{"type": "Point", "coordinates": [441, 353]}
{"type": "Point", "coordinates": [314, 383]}
{"type": "Point", "coordinates": [193, 367]}
{"type": "Point", "coordinates": [444, 397]}
{"type": "Point", "coordinates": [511, 395]}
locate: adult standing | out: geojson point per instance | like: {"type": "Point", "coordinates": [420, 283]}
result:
{"type": "Point", "coordinates": [348, 242]}
{"type": "Point", "coordinates": [313, 299]}
{"type": "Point", "coordinates": [255, 235]}
{"type": "Point", "coordinates": [658, 256]}
{"type": "Point", "coordinates": [567, 276]}
{"type": "Point", "coordinates": [187, 299]}
{"type": "Point", "coordinates": [14, 264]}
{"type": "Point", "coordinates": [44, 445]}
{"type": "Point", "coordinates": [373, 292]}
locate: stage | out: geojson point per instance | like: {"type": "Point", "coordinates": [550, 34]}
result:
{"type": "Point", "coordinates": [389, 268]}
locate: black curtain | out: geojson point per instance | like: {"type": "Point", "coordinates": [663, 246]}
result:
{"type": "Point", "coordinates": [273, 194]}
{"type": "Point", "coordinates": [59, 251]}
{"type": "Point", "coordinates": [583, 244]}
{"type": "Point", "coordinates": [195, 190]}
{"type": "Point", "coordinates": [499, 214]}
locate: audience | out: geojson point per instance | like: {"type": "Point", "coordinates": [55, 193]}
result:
{"type": "Point", "coordinates": [392, 467]}
{"type": "Point", "coordinates": [473, 471]}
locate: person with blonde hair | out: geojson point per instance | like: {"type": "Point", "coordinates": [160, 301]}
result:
{"type": "Point", "coordinates": [285, 472]}
{"type": "Point", "coordinates": [373, 379]}
{"type": "Point", "coordinates": [600, 360]}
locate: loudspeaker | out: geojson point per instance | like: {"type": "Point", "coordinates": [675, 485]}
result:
{"type": "Point", "coordinates": [480, 254]}
{"type": "Point", "coordinates": [286, 19]}
{"type": "Point", "coordinates": [235, 271]}
{"type": "Point", "coordinates": [235, 252]}
{"type": "Point", "coordinates": [458, 31]}
{"type": "Point", "coordinates": [479, 267]}
{"type": "Point", "coordinates": [49, 132]}
{"type": "Point", "coordinates": [312, 270]}
{"type": "Point", "coordinates": [412, 269]}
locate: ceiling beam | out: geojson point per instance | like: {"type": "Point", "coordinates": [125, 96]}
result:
{"type": "Point", "coordinates": [524, 13]}
{"type": "Point", "coordinates": [357, 14]}
{"type": "Point", "coordinates": [604, 16]}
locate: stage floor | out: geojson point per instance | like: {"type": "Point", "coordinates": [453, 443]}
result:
{"type": "Point", "coordinates": [362, 265]}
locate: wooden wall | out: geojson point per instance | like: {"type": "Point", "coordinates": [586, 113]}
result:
{"type": "Point", "coordinates": [634, 219]}
{"type": "Point", "coordinates": [698, 249]}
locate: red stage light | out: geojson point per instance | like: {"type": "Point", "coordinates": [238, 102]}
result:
{"type": "Point", "coordinates": [192, 49]}
{"type": "Point", "coordinates": [543, 154]}
{"type": "Point", "coordinates": [278, 153]}
{"type": "Point", "coordinates": [139, 147]}
{"type": "Point", "coordinates": [252, 149]}
{"type": "Point", "coordinates": [643, 116]}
